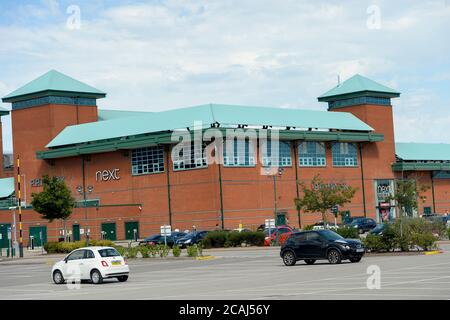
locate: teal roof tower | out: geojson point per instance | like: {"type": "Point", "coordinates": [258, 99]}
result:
{"type": "Point", "coordinates": [53, 86]}
{"type": "Point", "coordinates": [358, 90]}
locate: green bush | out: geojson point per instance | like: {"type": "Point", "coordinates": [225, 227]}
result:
{"type": "Point", "coordinates": [236, 239]}
{"type": "Point", "coordinates": [348, 232]}
{"type": "Point", "coordinates": [122, 251]}
{"type": "Point", "coordinates": [215, 239]}
{"type": "Point", "coordinates": [425, 241]}
{"type": "Point", "coordinates": [192, 251]}
{"type": "Point", "coordinates": [373, 243]}
{"type": "Point", "coordinates": [163, 250]}
{"type": "Point", "coordinates": [308, 227]}
{"type": "Point", "coordinates": [448, 233]}
{"type": "Point", "coordinates": [145, 251]}
{"type": "Point", "coordinates": [176, 250]}
{"type": "Point", "coordinates": [132, 252]}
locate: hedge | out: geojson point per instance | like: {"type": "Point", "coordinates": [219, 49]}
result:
{"type": "Point", "coordinates": [220, 239]}
{"type": "Point", "coordinates": [347, 232]}
{"type": "Point", "coordinates": [67, 247]}
{"type": "Point", "coordinates": [405, 234]}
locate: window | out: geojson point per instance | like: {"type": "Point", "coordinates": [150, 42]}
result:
{"type": "Point", "coordinates": [191, 157]}
{"type": "Point", "coordinates": [344, 154]}
{"type": "Point", "coordinates": [89, 254]}
{"type": "Point", "coordinates": [147, 160]}
{"type": "Point", "coordinates": [312, 154]}
{"type": "Point", "coordinates": [284, 154]}
{"type": "Point", "coordinates": [108, 253]}
{"type": "Point", "coordinates": [243, 153]}
{"type": "Point", "coordinates": [312, 236]}
{"type": "Point", "coordinates": [77, 255]}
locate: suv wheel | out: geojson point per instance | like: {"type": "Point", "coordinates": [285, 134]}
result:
{"type": "Point", "coordinates": [355, 259]}
{"type": "Point", "coordinates": [334, 256]}
{"type": "Point", "coordinates": [310, 261]}
{"type": "Point", "coordinates": [289, 258]}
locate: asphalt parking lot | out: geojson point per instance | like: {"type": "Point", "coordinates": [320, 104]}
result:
{"type": "Point", "coordinates": [244, 274]}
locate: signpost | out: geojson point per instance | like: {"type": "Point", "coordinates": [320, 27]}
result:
{"type": "Point", "coordinates": [166, 231]}
{"type": "Point", "coordinates": [335, 211]}
{"type": "Point", "coordinates": [270, 223]}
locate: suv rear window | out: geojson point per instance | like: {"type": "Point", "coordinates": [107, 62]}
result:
{"type": "Point", "coordinates": [108, 253]}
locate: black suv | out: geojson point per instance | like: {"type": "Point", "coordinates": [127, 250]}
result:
{"type": "Point", "coordinates": [320, 244]}
{"type": "Point", "coordinates": [363, 224]}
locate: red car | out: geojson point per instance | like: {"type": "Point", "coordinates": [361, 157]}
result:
{"type": "Point", "coordinates": [280, 232]}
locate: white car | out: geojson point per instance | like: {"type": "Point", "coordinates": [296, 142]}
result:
{"type": "Point", "coordinates": [91, 263]}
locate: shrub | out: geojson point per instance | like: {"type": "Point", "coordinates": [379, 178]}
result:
{"type": "Point", "coordinates": [348, 232]}
{"type": "Point", "coordinates": [308, 227]}
{"type": "Point", "coordinates": [163, 251]}
{"type": "Point", "coordinates": [424, 241]}
{"type": "Point", "coordinates": [236, 239]}
{"type": "Point", "coordinates": [144, 250]}
{"type": "Point", "coordinates": [215, 239]}
{"type": "Point", "coordinates": [153, 249]}
{"type": "Point", "coordinates": [121, 250]}
{"type": "Point", "coordinates": [176, 250]}
{"type": "Point", "coordinates": [192, 251]}
{"type": "Point", "coordinates": [448, 233]}
{"type": "Point", "coordinates": [132, 252]}
{"type": "Point", "coordinates": [373, 243]}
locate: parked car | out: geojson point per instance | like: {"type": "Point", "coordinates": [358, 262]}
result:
{"type": "Point", "coordinates": [378, 230]}
{"type": "Point", "coordinates": [241, 230]}
{"type": "Point", "coordinates": [314, 245]}
{"type": "Point", "coordinates": [437, 217]}
{"type": "Point", "coordinates": [91, 263]}
{"type": "Point", "coordinates": [363, 224]}
{"type": "Point", "coordinates": [159, 239]}
{"type": "Point", "coordinates": [280, 233]}
{"type": "Point", "coordinates": [191, 238]}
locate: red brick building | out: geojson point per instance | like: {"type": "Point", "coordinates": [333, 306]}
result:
{"type": "Point", "coordinates": [118, 164]}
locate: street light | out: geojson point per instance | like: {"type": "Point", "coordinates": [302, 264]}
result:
{"type": "Point", "coordinates": [82, 191]}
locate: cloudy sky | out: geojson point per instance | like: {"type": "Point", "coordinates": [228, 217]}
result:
{"type": "Point", "coordinates": [157, 55]}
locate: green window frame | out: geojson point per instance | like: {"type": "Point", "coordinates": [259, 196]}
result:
{"type": "Point", "coordinates": [345, 154]}
{"type": "Point", "coordinates": [243, 153]}
{"type": "Point", "coordinates": [191, 157]}
{"type": "Point", "coordinates": [284, 154]}
{"type": "Point", "coordinates": [312, 154]}
{"type": "Point", "coordinates": [147, 160]}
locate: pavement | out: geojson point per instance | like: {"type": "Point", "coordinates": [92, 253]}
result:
{"type": "Point", "coordinates": [243, 273]}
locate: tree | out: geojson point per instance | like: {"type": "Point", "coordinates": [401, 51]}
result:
{"type": "Point", "coordinates": [55, 201]}
{"type": "Point", "coordinates": [322, 197]}
{"type": "Point", "coordinates": [406, 194]}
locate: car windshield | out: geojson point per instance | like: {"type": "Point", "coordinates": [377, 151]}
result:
{"type": "Point", "coordinates": [110, 252]}
{"type": "Point", "coordinates": [330, 235]}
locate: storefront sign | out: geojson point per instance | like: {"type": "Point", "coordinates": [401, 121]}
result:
{"type": "Point", "coordinates": [107, 175]}
{"type": "Point", "coordinates": [38, 182]}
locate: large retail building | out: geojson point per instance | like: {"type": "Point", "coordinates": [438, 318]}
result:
{"type": "Point", "coordinates": [119, 168]}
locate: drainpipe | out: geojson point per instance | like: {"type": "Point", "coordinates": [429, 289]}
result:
{"type": "Point", "coordinates": [296, 182]}
{"type": "Point", "coordinates": [169, 202]}
{"type": "Point", "coordinates": [222, 216]}
{"type": "Point", "coordinates": [362, 179]}
{"type": "Point", "coordinates": [432, 191]}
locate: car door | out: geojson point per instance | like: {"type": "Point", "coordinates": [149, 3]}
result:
{"type": "Point", "coordinates": [87, 264]}
{"type": "Point", "coordinates": [72, 267]}
{"type": "Point", "coordinates": [313, 245]}
{"type": "Point", "coordinates": [300, 245]}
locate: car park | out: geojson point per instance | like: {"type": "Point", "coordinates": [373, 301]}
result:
{"type": "Point", "coordinates": [311, 246]}
{"type": "Point", "coordinates": [362, 224]}
{"type": "Point", "coordinates": [191, 238]}
{"type": "Point", "coordinates": [91, 263]}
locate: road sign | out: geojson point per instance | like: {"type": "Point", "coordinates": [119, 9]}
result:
{"type": "Point", "coordinates": [166, 230]}
{"type": "Point", "coordinates": [270, 223]}
{"type": "Point", "coordinates": [335, 210]}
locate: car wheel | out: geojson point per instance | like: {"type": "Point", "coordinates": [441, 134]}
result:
{"type": "Point", "coordinates": [355, 259]}
{"type": "Point", "coordinates": [96, 277]}
{"type": "Point", "coordinates": [310, 261]}
{"type": "Point", "coordinates": [58, 277]}
{"type": "Point", "coordinates": [334, 256]}
{"type": "Point", "coordinates": [122, 278]}
{"type": "Point", "coordinates": [289, 258]}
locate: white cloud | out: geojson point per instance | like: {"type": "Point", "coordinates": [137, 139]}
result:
{"type": "Point", "coordinates": [152, 56]}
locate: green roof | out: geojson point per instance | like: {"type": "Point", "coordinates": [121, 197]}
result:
{"type": "Point", "coordinates": [224, 115]}
{"type": "Point", "coordinates": [358, 85]}
{"type": "Point", "coordinates": [6, 187]}
{"type": "Point", "coordinates": [56, 83]}
{"type": "Point", "coordinates": [3, 111]}
{"type": "Point", "coordinates": [118, 114]}
{"type": "Point", "coordinates": [422, 151]}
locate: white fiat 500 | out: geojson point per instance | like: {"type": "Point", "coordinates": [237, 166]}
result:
{"type": "Point", "coordinates": [91, 263]}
